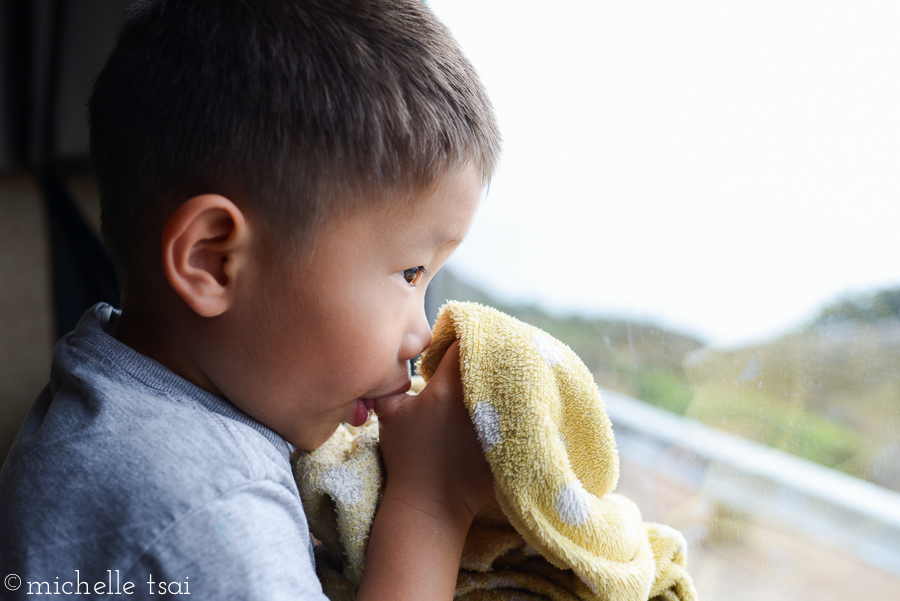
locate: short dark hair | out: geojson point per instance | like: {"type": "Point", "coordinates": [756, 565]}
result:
{"type": "Point", "coordinates": [300, 108]}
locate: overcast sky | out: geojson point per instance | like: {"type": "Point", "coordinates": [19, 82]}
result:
{"type": "Point", "coordinates": [723, 168]}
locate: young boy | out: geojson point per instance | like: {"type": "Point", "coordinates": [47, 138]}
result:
{"type": "Point", "coordinates": [279, 181]}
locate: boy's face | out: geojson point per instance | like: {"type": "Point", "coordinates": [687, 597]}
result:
{"type": "Point", "coordinates": [338, 328]}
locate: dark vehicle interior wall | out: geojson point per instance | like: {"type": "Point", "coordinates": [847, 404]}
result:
{"type": "Point", "coordinates": [52, 263]}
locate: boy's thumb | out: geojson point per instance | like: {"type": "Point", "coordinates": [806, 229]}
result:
{"type": "Point", "coordinates": [446, 378]}
{"type": "Point", "coordinates": [387, 407]}
{"type": "Point", "coordinates": [448, 374]}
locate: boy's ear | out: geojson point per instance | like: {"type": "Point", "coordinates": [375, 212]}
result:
{"type": "Point", "coordinates": [204, 245]}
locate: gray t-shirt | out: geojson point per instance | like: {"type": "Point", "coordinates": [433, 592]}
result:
{"type": "Point", "coordinates": [124, 472]}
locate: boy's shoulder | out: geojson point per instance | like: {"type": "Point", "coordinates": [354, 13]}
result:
{"type": "Point", "coordinates": [121, 464]}
{"type": "Point", "coordinates": [109, 410]}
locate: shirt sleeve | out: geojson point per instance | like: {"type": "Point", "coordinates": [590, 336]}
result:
{"type": "Point", "coordinates": [250, 543]}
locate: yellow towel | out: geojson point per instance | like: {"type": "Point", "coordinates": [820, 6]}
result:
{"type": "Point", "coordinates": [557, 531]}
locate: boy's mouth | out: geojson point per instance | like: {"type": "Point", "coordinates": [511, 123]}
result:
{"type": "Point", "coordinates": [364, 406]}
{"type": "Point", "coordinates": [361, 410]}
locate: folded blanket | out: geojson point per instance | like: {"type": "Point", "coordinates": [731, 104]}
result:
{"type": "Point", "coordinates": [557, 531]}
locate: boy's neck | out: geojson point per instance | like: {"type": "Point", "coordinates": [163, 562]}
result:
{"type": "Point", "coordinates": [147, 333]}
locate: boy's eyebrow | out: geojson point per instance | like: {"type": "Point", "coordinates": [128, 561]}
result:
{"type": "Point", "coordinates": [440, 242]}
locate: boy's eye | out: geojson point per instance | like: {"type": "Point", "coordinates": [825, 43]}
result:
{"type": "Point", "coordinates": [413, 274]}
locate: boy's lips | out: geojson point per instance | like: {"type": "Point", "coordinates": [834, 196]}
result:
{"type": "Point", "coordinates": [400, 390]}
{"type": "Point", "coordinates": [363, 405]}
{"type": "Point", "coordinates": [360, 412]}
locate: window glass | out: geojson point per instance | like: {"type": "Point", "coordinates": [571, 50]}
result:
{"type": "Point", "coordinates": [701, 199]}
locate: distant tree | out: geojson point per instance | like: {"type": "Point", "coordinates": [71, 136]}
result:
{"type": "Point", "coordinates": [863, 308]}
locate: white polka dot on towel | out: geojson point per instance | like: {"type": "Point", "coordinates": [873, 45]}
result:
{"type": "Point", "coordinates": [343, 484]}
{"type": "Point", "coordinates": [669, 532]}
{"type": "Point", "coordinates": [573, 504]}
{"type": "Point", "coordinates": [487, 425]}
{"type": "Point", "coordinates": [549, 349]}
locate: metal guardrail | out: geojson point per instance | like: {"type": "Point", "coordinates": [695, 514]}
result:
{"type": "Point", "coordinates": [822, 504]}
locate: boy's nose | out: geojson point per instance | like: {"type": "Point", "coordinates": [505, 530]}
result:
{"type": "Point", "coordinates": [417, 338]}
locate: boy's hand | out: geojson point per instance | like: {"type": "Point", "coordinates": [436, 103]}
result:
{"type": "Point", "coordinates": [437, 480]}
{"type": "Point", "coordinates": [431, 453]}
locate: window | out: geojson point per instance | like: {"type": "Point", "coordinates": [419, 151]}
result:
{"type": "Point", "coordinates": [701, 199]}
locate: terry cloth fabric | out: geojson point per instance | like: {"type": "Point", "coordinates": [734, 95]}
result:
{"type": "Point", "coordinates": [556, 531]}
